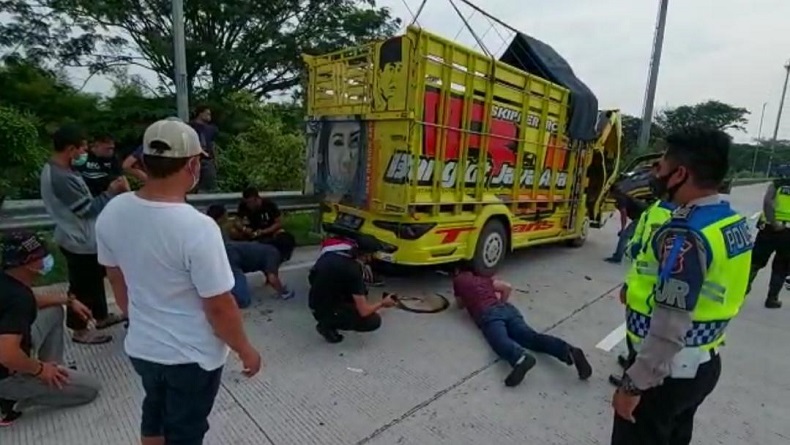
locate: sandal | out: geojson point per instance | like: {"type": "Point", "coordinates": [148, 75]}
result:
{"type": "Point", "coordinates": [90, 339]}
{"type": "Point", "coordinates": [111, 320]}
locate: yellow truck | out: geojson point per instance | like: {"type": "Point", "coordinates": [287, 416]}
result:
{"type": "Point", "coordinates": [446, 154]}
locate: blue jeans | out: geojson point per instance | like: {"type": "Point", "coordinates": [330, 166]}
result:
{"type": "Point", "coordinates": [241, 290]}
{"type": "Point", "coordinates": [625, 235]}
{"type": "Point", "coordinates": [178, 400]}
{"type": "Point", "coordinates": [509, 335]}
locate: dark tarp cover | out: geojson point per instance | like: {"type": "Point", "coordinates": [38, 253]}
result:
{"type": "Point", "coordinates": [537, 58]}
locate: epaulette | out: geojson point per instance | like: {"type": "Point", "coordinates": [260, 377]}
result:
{"type": "Point", "coordinates": [683, 213]}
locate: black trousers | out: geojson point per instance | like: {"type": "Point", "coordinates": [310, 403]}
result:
{"type": "Point", "coordinates": [665, 414]}
{"type": "Point", "coordinates": [86, 282]}
{"type": "Point", "coordinates": [346, 318]}
{"type": "Point", "coordinates": [768, 242]}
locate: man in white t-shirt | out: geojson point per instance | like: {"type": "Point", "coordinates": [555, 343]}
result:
{"type": "Point", "coordinates": [170, 275]}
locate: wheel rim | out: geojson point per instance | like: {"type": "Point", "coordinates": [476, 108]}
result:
{"type": "Point", "coordinates": [492, 249]}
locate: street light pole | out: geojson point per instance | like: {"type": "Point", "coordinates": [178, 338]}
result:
{"type": "Point", "coordinates": [180, 60]}
{"type": "Point", "coordinates": [759, 139]}
{"type": "Point", "coordinates": [652, 80]}
{"type": "Point", "coordinates": [778, 119]}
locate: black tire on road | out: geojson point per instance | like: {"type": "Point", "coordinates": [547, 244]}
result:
{"type": "Point", "coordinates": [491, 247]}
{"type": "Point", "coordinates": [578, 242]}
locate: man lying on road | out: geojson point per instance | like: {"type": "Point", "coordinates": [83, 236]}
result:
{"type": "Point", "coordinates": [504, 327]}
{"type": "Point", "coordinates": [33, 326]}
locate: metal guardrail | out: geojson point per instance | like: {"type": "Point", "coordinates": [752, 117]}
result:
{"type": "Point", "coordinates": [30, 214]}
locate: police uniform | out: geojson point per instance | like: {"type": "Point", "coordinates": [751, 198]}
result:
{"type": "Point", "coordinates": [774, 238]}
{"type": "Point", "coordinates": [691, 276]}
{"type": "Point", "coordinates": [653, 217]}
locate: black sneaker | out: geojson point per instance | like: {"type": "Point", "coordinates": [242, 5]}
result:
{"type": "Point", "coordinates": [9, 414]}
{"type": "Point", "coordinates": [613, 260]}
{"type": "Point", "coordinates": [615, 380]}
{"type": "Point", "coordinates": [582, 365]}
{"type": "Point", "coordinates": [623, 361]}
{"type": "Point", "coordinates": [331, 335]}
{"type": "Point", "coordinates": [773, 303]}
{"type": "Point", "coordinates": [520, 370]}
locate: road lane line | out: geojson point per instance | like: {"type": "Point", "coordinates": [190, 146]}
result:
{"type": "Point", "coordinates": [756, 215]}
{"type": "Point", "coordinates": [611, 340]}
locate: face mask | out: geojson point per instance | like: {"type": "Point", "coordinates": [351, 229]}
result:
{"type": "Point", "coordinates": [47, 265]}
{"type": "Point", "coordinates": [80, 160]}
{"type": "Point", "coordinates": [659, 186]}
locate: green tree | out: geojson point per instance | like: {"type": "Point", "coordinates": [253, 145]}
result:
{"type": "Point", "coordinates": [230, 45]}
{"type": "Point", "coordinates": [21, 153]}
{"type": "Point", "coordinates": [631, 127]}
{"type": "Point", "coordinates": [711, 114]}
{"type": "Point", "coordinates": [267, 153]}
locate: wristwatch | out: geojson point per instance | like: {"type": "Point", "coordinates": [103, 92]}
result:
{"type": "Point", "coordinates": [627, 386]}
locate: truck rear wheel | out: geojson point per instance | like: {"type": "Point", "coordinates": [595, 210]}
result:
{"type": "Point", "coordinates": [578, 242]}
{"type": "Point", "coordinates": [491, 248]}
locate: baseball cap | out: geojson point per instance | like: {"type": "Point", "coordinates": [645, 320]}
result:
{"type": "Point", "coordinates": [171, 138]}
{"type": "Point", "coordinates": [20, 248]}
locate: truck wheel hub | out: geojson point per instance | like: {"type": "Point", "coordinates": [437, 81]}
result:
{"type": "Point", "coordinates": [492, 249]}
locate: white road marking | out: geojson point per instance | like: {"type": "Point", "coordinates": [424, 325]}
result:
{"type": "Point", "coordinates": [612, 340]}
{"type": "Point", "coordinates": [756, 215]}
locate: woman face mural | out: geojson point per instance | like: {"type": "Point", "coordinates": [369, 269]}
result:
{"type": "Point", "coordinates": [342, 156]}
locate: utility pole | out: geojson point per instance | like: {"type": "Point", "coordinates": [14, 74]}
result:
{"type": "Point", "coordinates": [778, 119]}
{"type": "Point", "coordinates": [180, 59]}
{"type": "Point", "coordinates": [652, 79]}
{"type": "Point", "coordinates": [759, 139]}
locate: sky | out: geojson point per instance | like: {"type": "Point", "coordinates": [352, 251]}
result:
{"type": "Point", "coordinates": [729, 50]}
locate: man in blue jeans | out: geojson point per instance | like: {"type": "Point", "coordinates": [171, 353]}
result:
{"type": "Point", "coordinates": [504, 327]}
{"type": "Point", "coordinates": [630, 209]}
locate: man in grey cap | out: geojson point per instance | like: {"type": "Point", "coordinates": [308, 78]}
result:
{"type": "Point", "coordinates": [170, 274]}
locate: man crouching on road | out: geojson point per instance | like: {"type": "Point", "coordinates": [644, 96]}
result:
{"type": "Point", "coordinates": [504, 327]}
{"type": "Point", "coordinates": [34, 324]}
{"type": "Point", "coordinates": [338, 294]}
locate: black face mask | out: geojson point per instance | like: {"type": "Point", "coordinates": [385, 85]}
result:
{"type": "Point", "coordinates": [659, 186]}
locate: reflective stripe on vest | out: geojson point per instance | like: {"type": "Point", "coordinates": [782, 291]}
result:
{"type": "Point", "coordinates": [723, 292]}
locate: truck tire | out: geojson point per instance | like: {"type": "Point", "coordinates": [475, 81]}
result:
{"type": "Point", "coordinates": [491, 248]}
{"type": "Point", "coordinates": [579, 241]}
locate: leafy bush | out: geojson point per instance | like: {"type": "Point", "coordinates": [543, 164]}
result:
{"type": "Point", "coordinates": [266, 154]}
{"type": "Point", "coordinates": [21, 153]}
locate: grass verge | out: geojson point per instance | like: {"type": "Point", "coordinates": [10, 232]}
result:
{"type": "Point", "coordinates": [299, 224]}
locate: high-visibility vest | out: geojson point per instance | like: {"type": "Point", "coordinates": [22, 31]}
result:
{"type": "Point", "coordinates": [728, 243]}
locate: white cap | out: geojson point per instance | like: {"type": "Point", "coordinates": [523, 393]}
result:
{"type": "Point", "coordinates": [172, 138]}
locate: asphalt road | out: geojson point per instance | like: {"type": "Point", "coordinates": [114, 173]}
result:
{"type": "Point", "coordinates": [431, 379]}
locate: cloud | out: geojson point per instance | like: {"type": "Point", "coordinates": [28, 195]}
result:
{"type": "Point", "coordinates": [729, 50]}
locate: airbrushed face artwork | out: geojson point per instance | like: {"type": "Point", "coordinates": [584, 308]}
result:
{"type": "Point", "coordinates": [338, 145]}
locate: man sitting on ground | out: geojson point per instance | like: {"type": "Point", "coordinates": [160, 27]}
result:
{"type": "Point", "coordinates": [247, 257]}
{"type": "Point", "coordinates": [33, 326]}
{"type": "Point", "coordinates": [338, 294]}
{"type": "Point", "coordinates": [504, 327]}
{"type": "Point", "coordinates": [259, 219]}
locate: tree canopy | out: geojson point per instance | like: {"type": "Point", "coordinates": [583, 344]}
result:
{"type": "Point", "coordinates": [231, 45]}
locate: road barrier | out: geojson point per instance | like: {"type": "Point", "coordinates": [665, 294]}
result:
{"type": "Point", "coordinates": [30, 214]}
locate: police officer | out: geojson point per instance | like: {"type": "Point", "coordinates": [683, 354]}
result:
{"type": "Point", "coordinates": [654, 217]}
{"type": "Point", "coordinates": [773, 236]}
{"type": "Point", "coordinates": [678, 312]}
